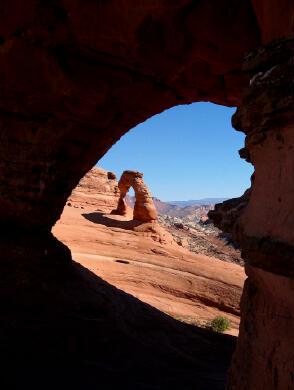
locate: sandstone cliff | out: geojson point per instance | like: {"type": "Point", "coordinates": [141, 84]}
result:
{"type": "Point", "coordinates": [98, 188]}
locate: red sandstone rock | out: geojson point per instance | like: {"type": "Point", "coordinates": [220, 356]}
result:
{"type": "Point", "coordinates": [269, 15]}
{"type": "Point", "coordinates": [75, 76]}
{"type": "Point", "coordinates": [98, 188]}
{"type": "Point", "coordinates": [144, 209]}
{"type": "Point", "coordinates": [166, 280]}
{"type": "Point", "coordinates": [261, 222]}
{"type": "Point", "coordinates": [226, 214]}
{"type": "Point", "coordinates": [160, 272]}
{"type": "Point", "coordinates": [204, 220]}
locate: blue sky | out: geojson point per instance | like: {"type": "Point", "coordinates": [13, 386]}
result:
{"type": "Point", "coordinates": [186, 152]}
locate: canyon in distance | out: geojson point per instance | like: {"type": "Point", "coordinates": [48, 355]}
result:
{"type": "Point", "coordinates": [178, 262]}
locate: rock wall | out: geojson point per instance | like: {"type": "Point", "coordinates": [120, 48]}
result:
{"type": "Point", "coordinates": [98, 188]}
{"type": "Point", "coordinates": [78, 75]}
{"type": "Point", "coordinates": [261, 222]}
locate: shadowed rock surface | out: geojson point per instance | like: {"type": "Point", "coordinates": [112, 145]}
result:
{"type": "Point", "coordinates": [160, 272]}
{"type": "Point", "coordinates": [265, 233]}
{"type": "Point", "coordinates": [78, 75]}
{"type": "Point", "coordinates": [96, 335]}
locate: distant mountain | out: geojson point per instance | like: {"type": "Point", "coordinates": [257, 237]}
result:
{"type": "Point", "coordinates": [161, 207]}
{"type": "Point", "coordinates": [189, 213]}
{"type": "Point", "coordinates": [202, 202]}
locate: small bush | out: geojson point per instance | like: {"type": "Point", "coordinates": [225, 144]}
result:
{"type": "Point", "coordinates": [220, 324]}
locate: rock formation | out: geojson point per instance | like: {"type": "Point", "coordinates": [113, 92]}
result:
{"type": "Point", "coordinates": [261, 222]}
{"type": "Point", "coordinates": [144, 209]}
{"type": "Point", "coordinates": [189, 213]}
{"type": "Point", "coordinates": [225, 214]}
{"type": "Point", "coordinates": [76, 76]}
{"type": "Point", "coordinates": [98, 188]}
{"type": "Point", "coordinates": [174, 280]}
{"type": "Point", "coordinates": [203, 238]}
{"type": "Point", "coordinates": [204, 220]}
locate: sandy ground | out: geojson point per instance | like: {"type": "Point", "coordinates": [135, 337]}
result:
{"type": "Point", "coordinates": [189, 287]}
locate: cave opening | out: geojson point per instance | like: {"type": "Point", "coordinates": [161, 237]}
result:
{"type": "Point", "coordinates": [189, 158]}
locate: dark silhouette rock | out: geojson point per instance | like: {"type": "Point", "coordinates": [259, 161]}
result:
{"type": "Point", "coordinates": [261, 222]}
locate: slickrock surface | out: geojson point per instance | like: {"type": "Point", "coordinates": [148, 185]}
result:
{"type": "Point", "coordinates": [152, 267]}
{"type": "Point", "coordinates": [130, 344]}
{"type": "Point", "coordinates": [191, 228]}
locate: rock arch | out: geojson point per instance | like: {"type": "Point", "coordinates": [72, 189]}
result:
{"type": "Point", "coordinates": [76, 76]}
{"type": "Point", "coordinates": [144, 209]}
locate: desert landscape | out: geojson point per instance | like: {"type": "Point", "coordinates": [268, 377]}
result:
{"type": "Point", "coordinates": [148, 260]}
{"type": "Point", "coordinates": [94, 295]}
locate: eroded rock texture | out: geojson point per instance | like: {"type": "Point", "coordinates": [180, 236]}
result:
{"type": "Point", "coordinates": [75, 76]}
{"type": "Point", "coordinates": [98, 188]}
{"type": "Point", "coordinates": [261, 221]}
{"type": "Point", "coordinates": [144, 209]}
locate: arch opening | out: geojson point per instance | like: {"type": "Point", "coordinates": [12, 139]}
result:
{"type": "Point", "coordinates": [173, 234]}
{"type": "Point", "coordinates": [76, 76]}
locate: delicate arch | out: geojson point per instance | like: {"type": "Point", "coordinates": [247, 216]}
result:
{"type": "Point", "coordinates": [144, 209]}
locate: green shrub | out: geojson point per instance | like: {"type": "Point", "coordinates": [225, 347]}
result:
{"type": "Point", "coordinates": [220, 324]}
